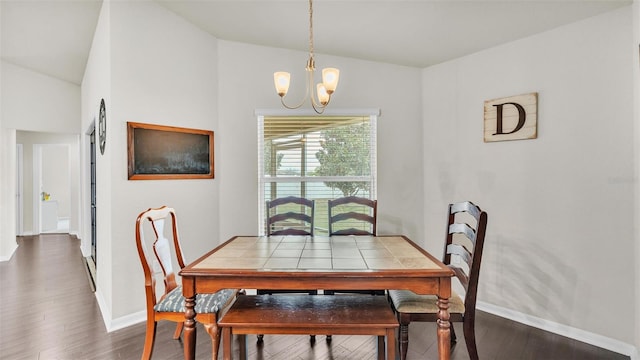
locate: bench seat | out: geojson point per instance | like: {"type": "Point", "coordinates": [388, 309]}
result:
{"type": "Point", "coordinates": [310, 314]}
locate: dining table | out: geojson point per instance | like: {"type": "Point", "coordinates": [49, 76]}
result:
{"type": "Point", "coordinates": [294, 262]}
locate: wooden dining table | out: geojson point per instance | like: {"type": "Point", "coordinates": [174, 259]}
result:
{"type": "Point", "coordinates": [318, 262]}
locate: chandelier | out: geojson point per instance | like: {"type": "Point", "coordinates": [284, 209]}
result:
{"type": "Point", "coordinates": [320, 95]}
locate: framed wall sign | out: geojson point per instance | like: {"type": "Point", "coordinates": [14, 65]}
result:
{"type": "Point", "coordinates": [511, 118]}
{"type": "Point", "coordinates": [167, 152]}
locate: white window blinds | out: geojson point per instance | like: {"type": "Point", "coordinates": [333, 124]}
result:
{"type": "Point", "coordinates": [316, 157]}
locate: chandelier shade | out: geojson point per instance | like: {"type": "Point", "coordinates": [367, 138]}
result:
{"type": "Point", "coordinates": [282, 80]}
{"type": "Point", "coordinates": [318, 95]}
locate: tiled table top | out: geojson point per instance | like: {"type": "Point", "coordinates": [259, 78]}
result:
{"type": "Point", "coordinates": [318, 253]}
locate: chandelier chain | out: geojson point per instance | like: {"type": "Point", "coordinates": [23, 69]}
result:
{"type": "Point", "coordinates": [311, 28]}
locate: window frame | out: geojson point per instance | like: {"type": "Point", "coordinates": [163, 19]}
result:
{"type": "Point", "coordinates": [260, 114]}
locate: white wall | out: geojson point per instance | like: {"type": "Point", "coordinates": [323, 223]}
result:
{"type": "Point", "coordinates": [162, 70]}
{"type": "Point", "coordinates": [96, 85]}
{"type": "Point", "coordinates": [30, 101]}
{"type": "Point", "coordinates": [636, 100]}
{"type": "Point", "coordinates": [560, 212]}
{"type": "Point", "coordinates": [159, 69]}
{"type": "Point", "coordinates": [8, 243]}
{"type": "Point", "coordinates": [37, 102]}
{"type": "Point", "coordinates": [246, 85]}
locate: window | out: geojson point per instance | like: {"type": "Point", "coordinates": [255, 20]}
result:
{"type": "Point", "coordinates": [316, 157]}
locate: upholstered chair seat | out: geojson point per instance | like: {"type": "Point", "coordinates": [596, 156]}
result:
{"type": "Point", "coordinates": [409, 302]}
{"type": "Point", "coordinates": [205, 303]}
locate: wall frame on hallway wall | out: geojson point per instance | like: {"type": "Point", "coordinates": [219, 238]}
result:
{"type": "Point", "coordinates": [157, 152]}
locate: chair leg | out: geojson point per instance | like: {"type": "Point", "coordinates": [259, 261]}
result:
{"type": "Point", "coordinates": [403, 340]}
{"type": "Point", "coordinates": [470, 338]}
{"type": "Point", "coordinates": [178, 332]}
{"type": "Point", "coordinates": [214, 331]}
{"type": "Point", "coordinates": [149, 339]}
{"type": "Point", "coordinates": [454, 339]}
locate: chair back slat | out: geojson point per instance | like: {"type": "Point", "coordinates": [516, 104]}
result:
{"type": "Point", "coordinates": [290, 216]}
{"type": "Point", "coordinates": [464, 229]}
{"type": "Point", "coordinates": [467, 207]}
{"type": "Point", "coordinates": [161, 246]}
{"type": "Point", "coordinates": [165, 242]}
{"type": "Point", "coordinates": [462, 252]}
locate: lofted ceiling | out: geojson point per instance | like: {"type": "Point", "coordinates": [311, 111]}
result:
{"type": "Point", "coordinates": [54, 37]}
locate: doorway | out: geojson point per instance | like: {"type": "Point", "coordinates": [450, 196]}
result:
{"type": "Point", "coordinates": [51, 188]}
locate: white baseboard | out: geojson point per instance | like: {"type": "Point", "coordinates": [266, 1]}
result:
{"type": "Point", "coordinates": [128, 320]}
{"type": "Point", "coordinates": [121, 322]}
{"type": "Point", "coordinates": [104, 310]}
{"type": "Point", "coordinates": [563, 330]}
{"type": "Point", "coordinates": [9, 255]}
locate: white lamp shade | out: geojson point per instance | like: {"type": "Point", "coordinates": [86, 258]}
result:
{"type": "Point", "coordinates": [282, 80]}
{"type": "Point", "coordinates": [323, 95]}
{"type": "Point", "coordinates": [330, 78]}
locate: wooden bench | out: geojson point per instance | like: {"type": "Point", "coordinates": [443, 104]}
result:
{"type": "Point", "coordinates": [309, 315]}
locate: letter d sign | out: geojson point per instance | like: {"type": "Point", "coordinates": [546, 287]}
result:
{"type": "Point", "coordinates": [511, 118]}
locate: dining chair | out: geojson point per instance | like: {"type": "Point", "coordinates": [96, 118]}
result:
{"type": "Point", "coordinates": [171, 304]}
{"type": "Point", "coordinates": [463, 254]}
{"type": "Point", "coordinates": [289, 215]}
{"type": "Point", "coordinates": [353, 215]}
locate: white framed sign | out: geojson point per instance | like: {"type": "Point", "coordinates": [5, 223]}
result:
{"type": "Point", "coordinates": [511, 118]}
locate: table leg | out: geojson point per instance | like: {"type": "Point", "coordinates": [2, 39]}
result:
{"type": "Point", "coordinates": [444, 329]}
{"type": "Point", "coordinates": [381, 351]}
{"type": "Point", "coordinates": [391, 344]}
{"type": "Point", "coordinates": [227, 337]}
{"type": "Point", "coordinates": [190, 328]}
{"type": "Point", "coordinates": [242, 341]}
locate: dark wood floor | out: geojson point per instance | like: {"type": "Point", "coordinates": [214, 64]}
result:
{"type": "Point", "coordinates": [47, 311]}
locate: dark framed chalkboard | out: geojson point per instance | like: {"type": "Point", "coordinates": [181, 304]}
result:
{"type": "Point", "coordinates": [167, 152]}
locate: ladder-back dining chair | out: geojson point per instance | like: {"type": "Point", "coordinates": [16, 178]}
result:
{"type": "Point", "coordinates": [170, 305]}
{"type": "Point", "coordinates": [289, 215]}
{"type": "Point", "coordinates": [353, 215]}
{"type": "Point", "coordinates": [463, 254]}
